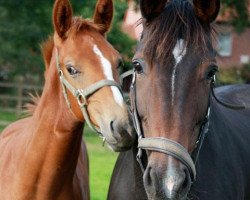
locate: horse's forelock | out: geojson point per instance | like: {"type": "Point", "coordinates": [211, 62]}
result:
{"type": "Point", "coordinates": [178, 20]}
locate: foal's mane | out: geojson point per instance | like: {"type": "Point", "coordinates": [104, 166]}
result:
{"type": "Point", "coordinates": [178, 20]}
{"type": "Point", "coordinates": [78, 25]}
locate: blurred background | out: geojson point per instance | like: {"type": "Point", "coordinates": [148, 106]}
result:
{"type": "Point", "coordinates": [24, 24]}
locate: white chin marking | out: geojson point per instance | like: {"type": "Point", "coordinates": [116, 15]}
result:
{"type": "Point", "coordinates": [179, 52]}
{"type": "Point", "coordinates": [107, 69]}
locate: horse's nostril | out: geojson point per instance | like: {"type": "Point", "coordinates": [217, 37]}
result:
{"type": "Point", "coordinates": [186, 181]}
{"type": "Point", "coordinates": [148, 179]}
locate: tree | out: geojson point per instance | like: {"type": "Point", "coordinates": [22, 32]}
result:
{"type": "Point", "coordinates": [26, 23]}
{"type": "Point", "coordinates": [239, 12]}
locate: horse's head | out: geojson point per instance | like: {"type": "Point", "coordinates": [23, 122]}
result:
{"type": "Point", "coordinates": [88, 69]}
{"type": "Point", "coordinates": [174, 68]}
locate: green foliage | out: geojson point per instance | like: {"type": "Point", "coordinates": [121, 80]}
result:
{"type": "Point", "coordinates": [245, 73]}
{"type": "Point", "coordinates": [234, 75]}
{"type": "Point", "coordinates": [229, 76]}
{"type": "Point", "coordinates": [22, 27]}
{"type": "Point", "coordinates": [240, 12]}
{"type": "Point", "coordinates": [25, 24]}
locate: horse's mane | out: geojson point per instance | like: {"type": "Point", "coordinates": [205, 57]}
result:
{"type": "Point", "coordinates": [78, 25]}
{"type": "Point", "coordinates": [178, 20]}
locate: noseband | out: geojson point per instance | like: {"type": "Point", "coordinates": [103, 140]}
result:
{"type": "Point", "coordinates": [82, 96]}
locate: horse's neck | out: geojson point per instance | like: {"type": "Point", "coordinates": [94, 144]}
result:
{"type": "Point", "coordinates": [53, 149]}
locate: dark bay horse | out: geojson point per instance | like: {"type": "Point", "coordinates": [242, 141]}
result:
{"type": "Point", "coordinates": [193, 140]}
{"type": "Point", "coordinates": [43, 157]}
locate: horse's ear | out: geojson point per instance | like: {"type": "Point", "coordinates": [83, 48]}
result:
{"type": "Point", "coordinates": [206, 10]}
{"type": "Point", "coordinates": [62, 17]}
{"type": "Point", "coordinates": [104, 14]}
{"type": "Point", "coordinates": [152, 8]}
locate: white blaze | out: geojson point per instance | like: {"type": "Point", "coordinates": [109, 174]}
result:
{"type": "Point", "coordinates": [107, 69]}
{"type": "Point", "coordinates": [178, 52]}
{"type": "Point", "coordinates": [170, 184]}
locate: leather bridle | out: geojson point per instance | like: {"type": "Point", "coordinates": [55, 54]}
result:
{"type": "Point", "coordinates": [82, 96]}
{"type": "Point", "coordinates": [161, 144]}
{"type": "Point", "coordinates": [167, 146]}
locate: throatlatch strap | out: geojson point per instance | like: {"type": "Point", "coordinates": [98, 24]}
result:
{"type": "Point", "coordinates": [169, 147]}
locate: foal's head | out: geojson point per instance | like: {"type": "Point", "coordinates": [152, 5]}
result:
{"type": "Point", "coordinates": [174, 65]}
{"type": "Point", "coordinates": [85, 57]}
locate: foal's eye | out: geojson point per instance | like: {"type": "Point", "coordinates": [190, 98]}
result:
{"type": "Point", "coordinates": [211, 72]}
{"type": "Point", "coordinates": [138, 66]}
{"type": "Point", "coordinates": [72, 71]}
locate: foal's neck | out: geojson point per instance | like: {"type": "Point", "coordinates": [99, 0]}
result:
{"type": "Point", "coordinates": [53, 150]}
{"type": "Point", "coordinates": [53, 108]}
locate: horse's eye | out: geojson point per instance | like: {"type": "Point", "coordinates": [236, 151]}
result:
{"type": "Point", "coordinates": [138, 66]}
{"type": "Point", "coordinates": [72, 71]}
{"type": "Point", "coordinates": [211, 72]}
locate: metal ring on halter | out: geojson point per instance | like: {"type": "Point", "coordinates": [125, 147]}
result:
{"type": "Point", "coordinates": [81, 99]}
{"type": "Point", "coordinates": [60, 73]}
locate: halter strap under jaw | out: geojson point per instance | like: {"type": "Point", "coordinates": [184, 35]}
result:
{"type": "Point", "coordinates": [82, 95]}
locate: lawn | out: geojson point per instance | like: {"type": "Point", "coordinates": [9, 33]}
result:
{"type": "Point", "coordinates": [101, 161]}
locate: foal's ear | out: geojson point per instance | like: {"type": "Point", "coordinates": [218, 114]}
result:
{"type": "Point", "coordinates": [104, 14]}
{"type": "Point", "coordinates": [206, 10]}
{"type": "Point", "coordinates": [62, 17]}
{"type": "Point", "coordinates": [152, 8]}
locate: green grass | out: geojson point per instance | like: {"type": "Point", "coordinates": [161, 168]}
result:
{"type": "Point", "coordinates": [101, 161]}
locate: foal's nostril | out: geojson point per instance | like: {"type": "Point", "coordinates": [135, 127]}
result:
{"type": "Point", "coordinates": [112, 126]}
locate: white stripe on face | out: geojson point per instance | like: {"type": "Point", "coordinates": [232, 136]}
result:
{"type": "Point", "coordinates": [179, 52]}
{"type": "Point", "coordinates": [107, 69]}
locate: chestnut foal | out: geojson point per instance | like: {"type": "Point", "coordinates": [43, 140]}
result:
{"type": "Point", "coordinates": [43, 157]}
